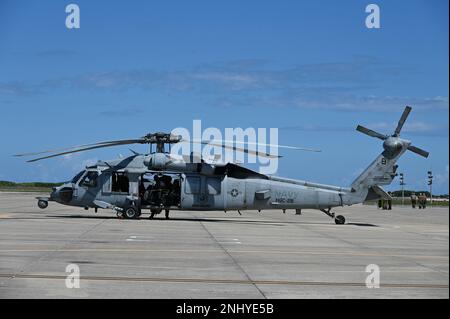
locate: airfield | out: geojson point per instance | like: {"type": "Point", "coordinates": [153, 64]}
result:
{"type": "Point", "coordinates": [222, 255]}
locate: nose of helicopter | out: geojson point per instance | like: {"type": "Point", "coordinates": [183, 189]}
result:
{"type": "Point", "coordinates": [54, 195]}
{"type": "Point", "coordinates": [62, 194]}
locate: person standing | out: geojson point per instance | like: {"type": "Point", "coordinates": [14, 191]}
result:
{"type": "Point", "coordinates": [413, 200]}
{"type": "Point", "coordinates": [422, 201]}
{"type": "Point", "coordinates": [389, 201]}
{"type": "Point", "coordinates": [385, 204]}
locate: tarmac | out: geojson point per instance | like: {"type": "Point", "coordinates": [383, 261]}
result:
{"type": "Point", "coordinates": [222, 255]}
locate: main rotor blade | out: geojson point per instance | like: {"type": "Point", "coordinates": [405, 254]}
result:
{"type": "Point", "coordinates": [271, 145]}
{"type": "Point", "coordinates": [419, 151]}
{"type": "Point", "coordinates": [69, 148]}
{"type": "Point", "coordinates": [245, 149]}
{"type": "Point", "coordinates": [220, 143]}
{"type": "Point", "coordinates": [370, 132]}
{"type": "Point", "coordinates": [402, 120]}
{"type": "Point", "coordinates": [123, 142]}
{"type": "Point", "coordinates": [241, 149]}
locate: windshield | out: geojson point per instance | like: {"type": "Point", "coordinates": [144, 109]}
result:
{"type": "Point", "coordinates": [77, 177]}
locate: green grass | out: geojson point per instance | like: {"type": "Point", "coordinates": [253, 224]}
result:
{"type": "Point", "coordinates": [7, 186]}
{"type": "Point", "coordinates": [398, 202]}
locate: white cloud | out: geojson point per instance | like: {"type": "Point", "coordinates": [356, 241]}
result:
{"type": "Point", "coordinates": [415, 127]}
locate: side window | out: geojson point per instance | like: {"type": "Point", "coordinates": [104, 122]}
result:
{"type": "Point", "coordinates": [120, 183]}
{"type": "Point", "coordinates": [192, 185]}
{"type": "Point", "coordinates": [213, 186]}
{"type": "Point", "coordinates": [107, 183]}
{"type": "Point", "coordinates": [89, 180]}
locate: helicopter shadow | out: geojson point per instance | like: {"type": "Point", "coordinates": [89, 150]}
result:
{"type": "Point", "coordinates": [156, 219]}
{"type": "Point", "coordinates": [211, 220]}
{"type": "Point", "coordinates": [362, 224]}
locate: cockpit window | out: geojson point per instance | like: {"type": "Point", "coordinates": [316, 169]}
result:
{"type": "Point", "coordinates": [89, 180]}
{"type": "Point", "coordinates": [77, 177]}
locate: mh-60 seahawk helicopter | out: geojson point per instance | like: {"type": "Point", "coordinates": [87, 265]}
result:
{"type": "Point", "coordinates": [159, 181]}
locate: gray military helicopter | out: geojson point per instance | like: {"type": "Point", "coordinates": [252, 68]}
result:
{"type": "Point", "coordinates": [159, 181]}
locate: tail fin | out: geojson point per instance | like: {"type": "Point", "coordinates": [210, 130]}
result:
{"type": "Point", "coordinates": [381, 172]}
{"type": "Point", "coordinates": [383, 169]}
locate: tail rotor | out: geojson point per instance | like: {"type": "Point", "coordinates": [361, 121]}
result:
{"type": "Point", "coordinates": [393, 142]}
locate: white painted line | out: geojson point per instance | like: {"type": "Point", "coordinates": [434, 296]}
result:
{"type": "Point", "coordinates": [132, 239]}
{"type": "Point", "coordinates": [229, 242]}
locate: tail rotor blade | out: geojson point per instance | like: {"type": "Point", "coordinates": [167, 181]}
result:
{"type": "Point", "coordinates": [402, 120]}
{"type": "Point", "coordinates": [419, 151]}
{"type": "Point", "coordinates": [370, 132]}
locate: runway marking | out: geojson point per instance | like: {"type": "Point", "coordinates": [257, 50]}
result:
{"type": "Point", "coordinates": [226, 281]}
{"type": "Point", "coordinates": [232, 251]}
{"type": "Point", "coordinates": [231, 241]}
{"type": "Point", "coordinates": [135, 238]}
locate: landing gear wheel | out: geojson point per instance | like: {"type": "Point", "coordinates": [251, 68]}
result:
{"type": "Point", "coordinates": [339, 220]}
{"type": "Point", "coordinates": [131, 213]}
{"type": "Point", "coordinates": [42, 204]}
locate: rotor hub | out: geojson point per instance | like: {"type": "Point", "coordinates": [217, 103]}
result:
{"type": "Point", "coordinates": [393, 146]}
{"type": "Point", "coordinates": [161, 137]}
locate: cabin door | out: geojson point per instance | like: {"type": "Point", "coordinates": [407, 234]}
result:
{"type": "Point", "coordinates": [234, 193]}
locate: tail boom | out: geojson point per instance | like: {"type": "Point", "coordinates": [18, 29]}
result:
{"type": "Point", "coordinates": [381, 171]}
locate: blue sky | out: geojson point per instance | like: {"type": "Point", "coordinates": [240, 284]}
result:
{"type": "Point", "coordinates": [311, 69]}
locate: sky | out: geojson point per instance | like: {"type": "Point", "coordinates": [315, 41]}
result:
{"type": "Point", "coordinates": [312, 69]}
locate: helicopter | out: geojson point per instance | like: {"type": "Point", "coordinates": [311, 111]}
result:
{"type": "Point", "coordinates": [159, 181]}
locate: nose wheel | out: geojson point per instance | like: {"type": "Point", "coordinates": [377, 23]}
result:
{"type": "Point", "coordinates": [42, 204]}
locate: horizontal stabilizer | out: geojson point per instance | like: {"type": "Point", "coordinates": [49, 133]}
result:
{"type": "Point", "coordinates": [376, 192]}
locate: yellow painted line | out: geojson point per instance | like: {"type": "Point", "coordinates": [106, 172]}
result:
{"type": "Point", "coordinates": [225, 281]}
{"type": "Point", "coordinates": [127, 250]}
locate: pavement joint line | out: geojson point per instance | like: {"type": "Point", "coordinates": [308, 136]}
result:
{"type": "Point", "coordinates": [224, 281]}
{"type": "Point", "coordinates": [234, 260]}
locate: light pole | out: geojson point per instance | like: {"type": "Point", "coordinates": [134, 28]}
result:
{"type": "Point", "coordinates": [430, 183]}
{"type": "Point", "coordinates": [402, 184]}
